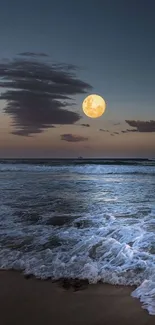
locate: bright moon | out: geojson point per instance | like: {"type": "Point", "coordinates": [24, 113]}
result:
{"type": "Point", "coordinates": [94, 106]}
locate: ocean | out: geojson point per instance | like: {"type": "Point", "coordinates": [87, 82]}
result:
{"type": "Point", "coordinates": [89, 219]}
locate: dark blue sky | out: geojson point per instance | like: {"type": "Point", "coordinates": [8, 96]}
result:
{"type": "Point", "coordinates": [111, 41]}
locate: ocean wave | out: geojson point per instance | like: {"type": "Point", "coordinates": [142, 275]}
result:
{"type": "Point", "coordinates": [84, 169]}
{"type": "Point", "coordinates": [108, 251]}
{"type": "Point", "coordinates": [84, 161]}
{"type": "Point", "coordinates": [85, 221]}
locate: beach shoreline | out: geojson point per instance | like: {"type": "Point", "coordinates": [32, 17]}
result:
{"type": "Point", "coordinates": [27, 300]}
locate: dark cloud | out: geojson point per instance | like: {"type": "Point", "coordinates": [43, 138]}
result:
{"type": "Point", "coordinates": [73, 138]}
{"type": "Point", "coordinates": [129, 130]}
{"type": "Point", "coordinates": [102, 130]}
{"type": "Point", "coordinates": [141, 126]}
{"type": "Point", "coordinates": [33, 54]}
{"type": "Point", "coordinates": [29, 131]}
{"type": "Point", "coordinates": [117, 123]}
{"type": "Point", "coordinates": [86, 125]}
{"type": "Point", "coordinates": [109, 131]}
{"type": "Point", "coordinates": [38, 93]}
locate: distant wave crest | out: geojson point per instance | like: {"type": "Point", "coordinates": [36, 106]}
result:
{"type": "Point", "coordinates": [80, 169]}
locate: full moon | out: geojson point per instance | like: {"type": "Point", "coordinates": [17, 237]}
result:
{"type": "Point", "coordinates": [94, 106]}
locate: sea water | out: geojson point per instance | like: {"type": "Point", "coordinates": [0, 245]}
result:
{"type": "Point", "coordinates": [86, 219]}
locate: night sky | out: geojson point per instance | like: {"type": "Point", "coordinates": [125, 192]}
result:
{"type": "Point", "coordinates": [55, 53]}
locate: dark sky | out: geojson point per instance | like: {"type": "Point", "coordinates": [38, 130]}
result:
{"type": "Point", "coordinates": [103, 47]}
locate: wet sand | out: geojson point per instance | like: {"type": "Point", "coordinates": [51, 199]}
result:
{"type": "Point", "coordinates": [31, 301]}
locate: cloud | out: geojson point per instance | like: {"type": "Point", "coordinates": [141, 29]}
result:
{"type": "Point", "coordinates": [37, 93]}
{"type": "Point", "coordinates": [129, 130]}
{"type": "Point", "coordinates": [86, 125]}
{"type": "Point", "coordinates": [116, 132]}
{"type": "Point", "coordinates": [73, 138]}
{"type": "Point", "coordinates": [141, 126]}
{"type": "Point", "coordinates": [117, 123]}
{"type": "Point", "coordinates": [102, 130]}
{"type": "Point", "coordinates": [33, 54]}
{"type": "Point", "coordinates": [29, 131]}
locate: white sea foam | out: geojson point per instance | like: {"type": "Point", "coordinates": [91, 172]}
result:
{"type": "Point", "coordinates": [108, 251]}
{"type": "Point", "coordinates": [83, 169]}
{"type": "Point", "coordinates": [109, 232]}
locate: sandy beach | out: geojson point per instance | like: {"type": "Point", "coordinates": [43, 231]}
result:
{"type": "Point", "coordinates": [32, 301]}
